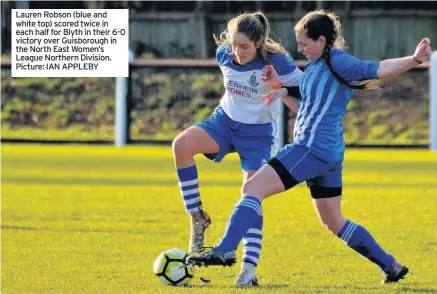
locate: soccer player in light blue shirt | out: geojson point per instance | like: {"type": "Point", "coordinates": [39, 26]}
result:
{"type": "Point", "coordinates": [316, 155]}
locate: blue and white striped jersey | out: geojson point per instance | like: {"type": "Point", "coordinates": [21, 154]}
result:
{"type": "Point", "coordinates": [244, 86]}
{"type": "Point", "coordinates": [324, 100]}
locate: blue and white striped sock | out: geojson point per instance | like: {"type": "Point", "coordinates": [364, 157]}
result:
{"type": "Point", "coordinates": [252, 242]}
{"type": "Point", "coordinates": [189, 187]}
{"type": "Point", "coordinates": [360, 240]}
{"type": "Point", "coordinates": [244, 216]}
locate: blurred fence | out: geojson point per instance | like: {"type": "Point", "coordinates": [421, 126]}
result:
{"type": "Point", "coordinates": [169, 96]}
{"type": "Point", "coordinates": [393, 32]}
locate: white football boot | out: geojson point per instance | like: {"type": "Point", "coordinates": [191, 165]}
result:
{"type": "Point", "coordinates": [246, 278]}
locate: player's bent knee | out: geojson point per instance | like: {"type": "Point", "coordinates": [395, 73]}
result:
{"type": "Point", "coordinates": [182, 144]}
{"type": "Point", "coordinates": [251, 187]}
{"type": "Point", "coordinates": [242, 189]}
{"type": "Point", "coordinates": [177, 144]}
{"type": "Point", "coordinates": [247, 187]}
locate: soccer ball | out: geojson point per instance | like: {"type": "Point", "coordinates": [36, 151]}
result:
{"type": "Point", "coordinates": [168, 267]}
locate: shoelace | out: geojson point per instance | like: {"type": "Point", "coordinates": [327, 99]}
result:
{"type": "Point", "coordinates": [206, 247]}
{"type": "Point", "coordinates": [203, 249]}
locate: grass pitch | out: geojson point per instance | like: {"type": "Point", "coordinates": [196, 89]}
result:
{"type": "Point", "coordinates": [92, 219]}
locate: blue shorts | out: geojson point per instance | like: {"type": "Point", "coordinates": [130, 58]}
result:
{"type": "Point", "coordinates": [254, 143]}
{"type": "Point", "coordinates": [296, 163]}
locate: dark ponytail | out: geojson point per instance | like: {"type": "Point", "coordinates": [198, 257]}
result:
{"type": "Point", "coordinates": [263, 21]}
{"type": "Point", "coordinates": [327, 57]}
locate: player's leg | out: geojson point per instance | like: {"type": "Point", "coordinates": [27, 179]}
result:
{"type": "Point", "coordinates": [190, 142]}
{"type": "Point", "coordinates": [326, 192]}
{"type": "Point", "coordinates": [252, 245]}
{"type": "Point", "coordinates": [253, 154]}
{"type": "Point", "coordinates": [208, 137]}
{"type": "Point", "coordinates": [185, 146]}
{"type": "Point", "coordinates": [292, 165]}
{"type": "Point", "coordinates": [243, 217]}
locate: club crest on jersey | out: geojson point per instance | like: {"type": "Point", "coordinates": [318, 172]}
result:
{"type": "Point", "coordinates": [252, 80]}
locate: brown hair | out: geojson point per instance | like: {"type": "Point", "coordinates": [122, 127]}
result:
{"type": "Point", "coordinates": [325, 23]}
{"type": "Point", "coordinates": [256, 27]}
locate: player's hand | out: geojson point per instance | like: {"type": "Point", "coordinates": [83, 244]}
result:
{"type": "Point", "coordinates": [270, 77]}
{"type": "Point", "coordinates": [423, 50]}
{"type": "Point", "coordinates": [272, 96]}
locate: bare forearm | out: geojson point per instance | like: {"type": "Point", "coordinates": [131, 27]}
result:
{"type": "Point", "coordinates": [291, 102]}
{"type": "Point", "coordinates": [394, 67]}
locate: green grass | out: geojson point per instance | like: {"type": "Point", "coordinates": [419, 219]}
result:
{"type": "Point", "coordinates": [92, 219]}
{"type": "Point", "coordinates": [79, 132]}
{"type": "Point", "coordinates": [70, 133]}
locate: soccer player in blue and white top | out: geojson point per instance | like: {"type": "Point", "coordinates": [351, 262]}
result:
{"type": "Point", "coordinates": [241, 123]}
{"type": "Point", "coordinates": [316, 155]}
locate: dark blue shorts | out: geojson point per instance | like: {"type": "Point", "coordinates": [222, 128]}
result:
{"type": "Point", "coordinates": [254, 143]}
{"type": "Point", "coordinates": [296, 163]}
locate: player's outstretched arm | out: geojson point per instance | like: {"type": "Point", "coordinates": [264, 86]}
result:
{"type": "Point", "coordinates": [393, 67]}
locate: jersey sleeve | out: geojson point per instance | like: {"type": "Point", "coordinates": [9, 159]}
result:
{"type": "Point", "coordinates": [222, 53]}
{"type": "Point", "coordinates": [351, 68]}
{"type": "Point", "coordinates": [289, 74]}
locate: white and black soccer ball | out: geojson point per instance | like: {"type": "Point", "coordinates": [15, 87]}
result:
{"type": "Point", "coordinates": [169, 268]}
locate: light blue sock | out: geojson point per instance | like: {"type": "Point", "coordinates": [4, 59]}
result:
{"type": "Point", "coordinates": [252, 242]}
{"type": "Point", "coordinates": [189, 187]}
{"type": "Point", "coordinates": [360, 240]}
{"type": "Point", "coordinates": [244, 216]}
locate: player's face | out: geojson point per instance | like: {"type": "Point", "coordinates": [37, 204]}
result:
{"type": "Point", "coordinates": [243, 48]}
{"type": "Point", "coordinates": [310, 48]}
